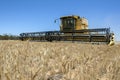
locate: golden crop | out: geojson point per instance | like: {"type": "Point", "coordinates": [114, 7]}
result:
{"type": "Point", "coordinates": [58, 61]}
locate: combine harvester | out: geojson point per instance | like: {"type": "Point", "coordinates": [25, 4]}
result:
{"type": "Point", "coordinates": [73, 28]}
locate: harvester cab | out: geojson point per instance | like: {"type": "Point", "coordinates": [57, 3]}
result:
{"type": "Point", "coordinates": [72, 23]}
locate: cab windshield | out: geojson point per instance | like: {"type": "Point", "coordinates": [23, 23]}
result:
{"type": "Point", "coordinates": [68, 23]}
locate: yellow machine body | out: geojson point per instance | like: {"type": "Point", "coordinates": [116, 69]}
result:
{"type": "Point", "coordinates": [73, 28]}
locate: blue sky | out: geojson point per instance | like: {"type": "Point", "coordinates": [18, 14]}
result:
{"type": "Point", "coordinates": [17, 16]}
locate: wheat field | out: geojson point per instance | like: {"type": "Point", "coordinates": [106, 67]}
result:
{"type": "Point", "coordinates": [58, 61]}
